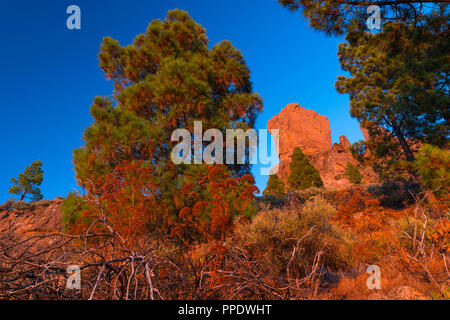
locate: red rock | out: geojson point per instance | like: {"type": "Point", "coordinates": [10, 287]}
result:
{"type": "Point", "coordinates": [300, 127]}
{"type": "Point", "coordinates": [38, 218]}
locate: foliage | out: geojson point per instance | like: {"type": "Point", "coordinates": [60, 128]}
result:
{"type": "Point", "coordinates": [28, 182]}
{"type": "Point", "coordinates": [269, 202]}
{"type": "Point", "coordinates": [126, 200]}
{"type": "Point", "coordinates": [71, 210]}
{"type": "Point", "coordinates": [440, 236]}
{"type": "Point", "coordinates": [167, 78]}
{"type": "Point", "coordinates": [302, 174]}
{"type": "Point", "coordinates": [433, 166]}
{"type": "Point", "coordinates": [399, 84]}
{"type": "Point", "coordinates": [360, 213]}
{"type": "Point", "coordinates": [215, 199]}
{"type": "Point", "coordinates": [339, 16]}
{"type": "Point", "coordinates": [318, 212]}
{"type": "Point", "coordinates": [382, 153]}
{"type": "Point", "coordinates": [288, 253]}
{"type": "Point", "coordinates": [309, 193]}
{"type": "Point", "coordinates": [275, 187]}
{"type": "Point", "coordinates": [353, 201]}
{"type": "Point", "coordinates": [395, 193]}
{"type": "Point", "coordinates": [352, 173]}
{"type": "Point", "coordinates": [272, 235]}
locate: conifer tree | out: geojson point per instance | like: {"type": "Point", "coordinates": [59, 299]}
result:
{"type": "Point", "coordinates": [275, 187]}
{"type": "Point", "coordinates": [167, 78]}
{"type": "Point", "coordinates": [28, 182]}
{"type": "Point", "coordinates": [399, 76]}
{"type": "Point", "coordinates": [303, 175]}
{"type": "Point", "coordinates": [433, 166]}
{"type": "Point", "coordinates": [399, 82]}
{"type": "Point", "coordinates": [337, 17]}
{"type": "Point", "coordinates": [352, 173]}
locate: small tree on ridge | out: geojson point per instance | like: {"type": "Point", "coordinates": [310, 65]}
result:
{"type": "Point", "coordinates": [28, 182]}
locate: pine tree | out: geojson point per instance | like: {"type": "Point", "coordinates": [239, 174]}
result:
{"type": "Point", "coordinates": [28, 182]}
{"type": "Point", "coordinates": [352, 173]}
{"type": "Point", "coordinates": [337, 17]}
{"type": "Point", "coordinates": [433, 166]}
{"type": "Point", "coordinates": [399, 82]}
{"type": "Point", "coordinates": [275, 187]}
{"type": "Point", "coordinates": [303, 175]}
{"type": "Point", "coordinates": [167, 78]}
{"type": "Point", "coordinates": [399, 76]}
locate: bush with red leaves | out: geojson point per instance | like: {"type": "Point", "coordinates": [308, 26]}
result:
{"type": "Point", "coordinates": [214, 199]}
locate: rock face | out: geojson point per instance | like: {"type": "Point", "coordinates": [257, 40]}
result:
{"type": "Point", "coordinates": [300, 127]}
{"type": "Point", "coordinates": [37, 218]}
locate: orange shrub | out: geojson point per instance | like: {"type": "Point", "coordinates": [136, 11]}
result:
{"type": "Point", "coordinates": [214, 200]}
{"type": "Point", "coordinates": [441, 235]}
{"type": "Point", "coordinates": [126, 200]}
{"type": "Point", "coordinates": [362, 213]}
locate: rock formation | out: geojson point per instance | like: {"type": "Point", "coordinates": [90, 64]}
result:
{"type": "Point", "coordinates": [37, 218]}
{"type": "Point", "coordinates": [300, 127]}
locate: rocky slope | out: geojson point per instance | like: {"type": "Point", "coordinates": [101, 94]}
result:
{"type": "Point", "coordinates": [38, 218]}
{"type": "Point", "coordinates": [300, 127]}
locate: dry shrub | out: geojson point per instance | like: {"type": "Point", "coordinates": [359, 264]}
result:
{"type": "Point", "coordinates": [361, 213]}
{"type": "Point", "coordinates": [282, 253]}
{"type": "Point", "coordinates": [354, 286]}
{"type": "Point", "coordinates": [422, 246]}
{"type": "Point", "coordinates": [410, 246]}
{"type": "Point", "coordinates": [353, 201]}
{"type": "Point", "coordinates": [215, 199]}
{"type": "Point", "coordinates": [307, 194]}
{"type": "Point", "coordinates": [272, 235]}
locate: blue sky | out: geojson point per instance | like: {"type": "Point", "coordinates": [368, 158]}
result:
{"type": "Point", "coordinates": [50, 74]}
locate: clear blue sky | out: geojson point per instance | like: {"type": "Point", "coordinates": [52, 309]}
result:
{"type": "Point", "coordinates": [50, 75]}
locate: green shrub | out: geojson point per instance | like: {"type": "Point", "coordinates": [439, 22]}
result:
{"type": "Point", "coordinates": [303, 175]}
{"type": "Point", "coordinates": [318, 212]}
{"type": "Point", "coordinates": [433, 166]}
{"type": "Point", "coordinates": [71, 210]}
{"type": "Point", "coordinates": [275, 187]}
{"type": "Point", "coordinates": [396, 193]}
{"type": "Point", "coordinates": [352, 173]}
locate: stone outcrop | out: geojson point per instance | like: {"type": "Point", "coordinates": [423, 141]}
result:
{"type": "Point", "coordinates": [31, 219]}
{"type": "Point", "coordinates": [300, 127]}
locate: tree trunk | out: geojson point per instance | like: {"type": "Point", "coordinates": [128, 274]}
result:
{"type": "Point", "coordinates": [403, 143]}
